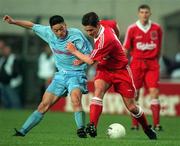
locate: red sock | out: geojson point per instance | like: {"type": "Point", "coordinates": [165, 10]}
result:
{"type": "Point", "coordinates": [143, 121]}
{"type": "Point", "coordinates": [95, 110]}
{"type": "Point", "coordinates": [141, 118]}
{"type": "Point", "coordinates": [134, 122]}
{"type": "Point", "coordinates": [155, 108]}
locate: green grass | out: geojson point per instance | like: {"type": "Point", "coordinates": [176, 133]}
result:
{"type": "Point", "coordinates": [58, 129]}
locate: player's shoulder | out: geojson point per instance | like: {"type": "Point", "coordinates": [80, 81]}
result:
{"type": "Point", "coordinates": [74, 33]}
{"type": "Point", "coordinates": [107, 30]}
{"type": "Point", "coordinates": [109, 23]}
{"type": "Point", "coordinates": [108, 34]}
{"type": "Point", "coordinates": [42, 28]}
{"type": "Point", "coordinates": [74, 30]}
{"type": "Point", "coordinates": [154, 24]}
{"type": "Point", "coordinates": [132, 26]}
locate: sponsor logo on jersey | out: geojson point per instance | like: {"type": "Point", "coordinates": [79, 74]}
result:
{"type": "Point", "coordinates": [145, 46]}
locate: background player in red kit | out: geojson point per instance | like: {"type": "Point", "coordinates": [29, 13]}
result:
{"type": "Point", "coordinates": [112, 70]}
{"type": "Point", "coordinates": [143, 41]}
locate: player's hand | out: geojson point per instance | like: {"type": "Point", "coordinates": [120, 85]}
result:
{"type": "Point", "coordinates": [70, 47]}
{"type": "Point", "coordinates": [8, 19]}
{"type": "Point", "coordinates": [77, 62]}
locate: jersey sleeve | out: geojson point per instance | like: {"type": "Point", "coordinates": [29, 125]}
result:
{"type": "Point", "coordinates": [128, 38]}
{"type": "Point", "coordinates": [41, 31]}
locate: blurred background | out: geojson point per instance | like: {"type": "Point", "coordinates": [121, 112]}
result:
{"type": "Point", "coordinates": [29, 48]}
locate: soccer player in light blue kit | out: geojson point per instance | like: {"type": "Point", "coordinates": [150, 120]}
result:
{"type": "Point", "coordinates": [69, 79]}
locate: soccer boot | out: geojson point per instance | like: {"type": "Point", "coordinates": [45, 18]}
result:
{"type": "Point", "coordinates": [18, 133]}
{"type": "Point", "coordinates": [158, 128]}
{"type": "Point", "coordinates": [91, 130]}
{"type": "Point", "coordinates": [81, 132]}
{"type": "Point", "coordinates": [150, 133]}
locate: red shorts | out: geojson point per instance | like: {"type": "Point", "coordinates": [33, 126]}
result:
{"type": "Point", "coordinates": [145, 73]}
{"type": "Point", "coordinates": [121, 80]}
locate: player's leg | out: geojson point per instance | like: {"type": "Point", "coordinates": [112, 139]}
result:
{"type": "Point", "coordinates": [76, 87]}
{"type": "Point", "coordinates": [79, 114]}
{"type": "Point", "coordinates": [54, 91]}
{"type": "Point", "coordinates": [137, 73]}
{"type": "Point", "coordinates": [48, 100]}
{"type": "Point", "coordinates": [151, 80]}
{"type": "Point", "coordinates": [101, 85]}
{"type": "Point", "coordinates": [128, 91]}
{"type": "Point", "coordinates": [96, 106]}
{"type": "Point", "coordinates": [155, 108]}
{"type": "Point", "coordinates": [139, 115]}
{"type": "Point", "coordinates": [96, 102]}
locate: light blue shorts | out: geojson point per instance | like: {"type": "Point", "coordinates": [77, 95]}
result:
{"type": "Point", "coordinates": [64, 82]}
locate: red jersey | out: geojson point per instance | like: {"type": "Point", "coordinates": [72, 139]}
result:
{"type": "Point", "coordinates": [145, 43]}
{"type": "Point", "coordinates": [108, 50]}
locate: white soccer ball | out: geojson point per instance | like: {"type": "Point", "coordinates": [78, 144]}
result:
{"type": "Point", "coordinates": [116, 130]}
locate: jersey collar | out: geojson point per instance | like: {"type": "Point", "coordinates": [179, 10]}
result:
{"type": "Point", "coordinates": [142, 27]}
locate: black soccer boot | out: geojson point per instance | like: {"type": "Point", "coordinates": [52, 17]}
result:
{"type": "Point", "coordinates": [91, 130]}
{"type": "Point", "coordinates": [81, 132]}
{"type": "Point", "coordinates": [18, 133]}
{"type": "Point", "coordinates": [150, 133]}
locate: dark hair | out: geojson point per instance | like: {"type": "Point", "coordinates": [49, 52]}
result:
{"type": "Point", "coordinates": [91, 19]}
{"type": "Point", "coordinates": [144, 6]}
{"type": "Point", "coordinates": [56, 19]}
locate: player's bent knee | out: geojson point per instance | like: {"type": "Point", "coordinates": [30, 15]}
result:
{"type": "Point", "coordinates": [76, 103]}
{"type": "Point", "coordinates": [133, 109]}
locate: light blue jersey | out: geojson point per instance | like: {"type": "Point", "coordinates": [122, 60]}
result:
{"type": "Point", "coordinates": [68, 76]}
{"type": "Point", "coordinates": [63, 58]}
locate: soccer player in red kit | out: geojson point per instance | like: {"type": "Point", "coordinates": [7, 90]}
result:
{"type": "Point", "coordinates": [143, 41]}
{"type": "Point", "coordinates": [112, 70]}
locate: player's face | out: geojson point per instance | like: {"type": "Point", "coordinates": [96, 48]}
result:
{"type": "Point", "coordinates": [60, 30]}
{"type": "Point", "coordinates": [144, 15]}
{"type": "Point", "coordinates": [91, 30]}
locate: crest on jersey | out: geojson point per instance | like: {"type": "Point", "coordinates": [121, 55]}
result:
{"type": "Point", "coordinates": [154, 35]}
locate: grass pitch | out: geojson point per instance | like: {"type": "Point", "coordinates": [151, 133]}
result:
{"type": "Point", "coordinates": [58, 129]}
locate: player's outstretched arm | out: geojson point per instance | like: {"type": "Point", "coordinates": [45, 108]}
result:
{"type": "Point", "coordinates": [71, 48]}
{"type": "Point", "coordinates": [22, 23]}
